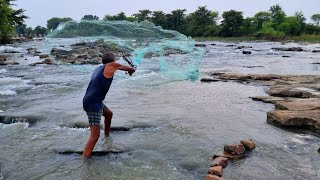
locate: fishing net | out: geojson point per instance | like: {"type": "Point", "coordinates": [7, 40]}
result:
{"type": "Point", "coordinates": [174, 54]}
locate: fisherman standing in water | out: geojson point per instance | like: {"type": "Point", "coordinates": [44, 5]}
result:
{"type": "Point", "coordinates": [92, 102]}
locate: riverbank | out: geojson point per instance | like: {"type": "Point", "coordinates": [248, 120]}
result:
{"type": "Point", "coordinates": [303, 38]}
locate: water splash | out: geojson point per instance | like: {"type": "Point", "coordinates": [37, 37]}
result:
{"type": "Point", "coordinates": [176, 54]}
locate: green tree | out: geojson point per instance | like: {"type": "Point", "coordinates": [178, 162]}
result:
{"type": "Point", "coordinates": [120, 17]}
{"type": "Point", "coordinates": [232, 21]}
{"type": "Point", "coordinates": [90, 17]}
{"type": "Point", "coordinates": [53, 23]}
{"type": "Point", "coordinates": [9, 18]}
{"type": "Point", "coordinates": [290, 26]}
{"type": "Point", "coordinates": [29, 32]}
{"type": "Point", "coordinates": [249, 26]}
{"type": "Point", "coordinates": [316, 19]}
{"type": "Point", "coordinates": [40, 31]}
{"type": "Point", "coordinates": [108, 18]}
{"type": "Point", "coordinates": [21, 29]}
{"type": "Point", "coordinates": [159, 18]}
{"type": "Point", "coordinates": [301, 20]}
{"type": "Point", "coordinates": [260, 18]}
{"type": "Point", "coordinates": [277, 14]}
{"type": "Point", "coordinates": [176, 20]}
{"type": "Point", "coordinates": [143, 15]}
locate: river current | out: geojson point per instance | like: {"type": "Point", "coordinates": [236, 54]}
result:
{"type": "Point", "coordinates": [176, 127]}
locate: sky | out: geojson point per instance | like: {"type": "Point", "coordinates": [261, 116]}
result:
{"type": "Point", "coordinates": [39, 11]}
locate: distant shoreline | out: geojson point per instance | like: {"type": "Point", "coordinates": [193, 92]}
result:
{"type": "Point", "coordinates": [302, 38]}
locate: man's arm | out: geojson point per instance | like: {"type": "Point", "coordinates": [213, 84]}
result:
{"type": "Point", "coordinates": [112, 67]}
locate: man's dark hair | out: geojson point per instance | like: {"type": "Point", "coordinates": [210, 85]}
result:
{"type": "Point", "coordinates": [108, 58]}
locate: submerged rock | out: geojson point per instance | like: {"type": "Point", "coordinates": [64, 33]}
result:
{"type": "Point", "coordinates": [200, 45]}
{"type": "Point", "coordinates": [214, 177]}
{"type": "Point", "coordinates": [3, 58]}
{"type": "Point", "coordinates": [235, 149]}
{"type": "Point", "coordinates": [244, 47]}
{"type": "Point", "coordinates": [10, 51]}
{"type": "Point", "coordinates": [19, 119]}
{"type": "Point", "coordinates": [216, 170]}
{"type": "Point", "coordinates": [316, 51]}
{"type": "Point", "coordinates": [288, 49]}
{"type": "Point", "coordinates": [41, 56]}
{"type": "Point", "coordinates": [246, 52]}
{"type": "Point", "coordinates": [249, 145]}
{"type": "Point", "coordinates": [268, 99]}
{"type": "Point", "coordinates": [209, 79]}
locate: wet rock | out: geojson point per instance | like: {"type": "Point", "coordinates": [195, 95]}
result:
{"type": "Point", "coordinates": [200, 45]}
{"type": "Point", "coordinates": [244, 47]}
{"type": "Point", "coordinates": [286, 56]}
{"type": "Point", "coordinates": [10, 51]}
{"type": "Point", "coordinates": [3, 58]}
{"type": "Point", "coordinates": [216, 170]}
{"type": "Point", "coordinates": [319, 150]}
{"type": "Point", "coordinates": [268, 99]}
{"type": "Point", "coordinates": [249, 145]}
{"type": "Point", "coordinates": [316, 51]}
{"type": "Point", "coordinates": [230, 45]}
{"type": "Point", "coordinates": [235, 149]}
{"type": "Point", "coordinates": [297, 92]}
{"type": "Point", "coordinates": [288, 49]}
{"type": "Point", "coordinates": [209, 79]}
{"type": "Point", "coordinates": [19, 119]}
{"type": "Point", "coordinates": [286, 118]}
{"type": "Point", "coordinates": [47, 61]}
{"type": "Point", "coordinates": [213, 44]}
{"type": "Point", "coordinates": [299, 105]}
{"type": "Point", "coordinates": [229, 156]}
{"type": "Point", "coordinates": [41, 56]}
{"type": "Point", "coordinates": [246, 52]}
{"type": "Point", "coordinates": [315, 63]}
{"type": "Point", "coordinates": [3, 63]}
{"type": "Point", "coordinates": [220, 161]}
{"type": "Point", "coordinates": [253, 66]}
{"type": "Point", "coordinates": [214, 177]}
{"type": "Point", "coordinates": [13, 63]}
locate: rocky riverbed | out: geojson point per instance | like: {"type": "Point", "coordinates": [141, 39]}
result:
{"type": "Point", "coordinates": [296, 98]}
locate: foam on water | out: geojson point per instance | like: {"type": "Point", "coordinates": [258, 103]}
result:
{"type": "Point", "coordinates": [9, 86]}
{"type": "Point", "coordinates": [3, 71]}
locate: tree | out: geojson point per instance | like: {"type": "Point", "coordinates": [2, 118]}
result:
{"type": "Point", "coordinates": [249, 26]}
{"type": "Point", "coordinates": [176, 20]}
{"type": "Point", "coordinates": [90, 17]}
{"type": "Point", "coordinates": [290, 26]}
{"type": "Point", "coordinates": [260, 18]}
{"type": "Point", "coordinates": [108, 18]}
{"type": "Point", "coordinates": [21, 29]}
{"type": "Point", "coordinates": [232, 20]}
{"type": "Point", "coordinates": [316, 19]}
{"type": "Point", "coordinates": [142, 15]}
{"type": "Point", "coordinates": [29, 32]}
{"type": "Point", "coordinates": [120, 17]}
{"type": "Point", "coordinates": [277, 14]}
{"type": "Point", "coordinates": [301, 20]}
{"type": "Point", "coordinates": [159, 18]}
{"type": "Point", "coordinates": [9, 18]}
{"type": "Point", "coordinates": [53, 23]}
{"type": "Point", "coordinates": [40, 31]}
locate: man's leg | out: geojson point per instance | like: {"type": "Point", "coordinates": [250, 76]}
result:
{"type": "Point", "coordinates": [107, 121]}
{"type": "Point", "coordinates": [94, 136]}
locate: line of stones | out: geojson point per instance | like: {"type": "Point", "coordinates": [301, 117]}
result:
{"type": "Point", "coordinates": [231, 152]}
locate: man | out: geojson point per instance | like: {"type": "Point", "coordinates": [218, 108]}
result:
{"type": "Point", "coordinates": [92, 102]}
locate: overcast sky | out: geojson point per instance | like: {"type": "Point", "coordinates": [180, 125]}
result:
{"type": "Point", "coordinates": [40, 11]}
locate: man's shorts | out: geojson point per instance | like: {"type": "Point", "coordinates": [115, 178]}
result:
{"type": "Point", "coordinates": [95, 117]}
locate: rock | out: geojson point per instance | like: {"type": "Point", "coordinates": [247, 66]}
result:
{"type": "Point", "coordinates": [230, 45]}
{"type": "Point", "coordinates": [253, 66]}
{"type": "Point", "coordinates": [299, 105]}
{"type": "Point", "coordinates": [209, 79]}
{"type": "Point", "coordinates": [288, 49]}
{"type": "Point", "coordinates": [220, 161]}
{"type": "Point", "coordinates": [43, 56]}
{"type": "Point", "coordinates": [265, 77]}
{"type": "Point", "coordinates": [249, 145]}
{"type": "Point", "coordinates": [246, 52]}
{"type": "Point", "coordinates": [216, 170]}
{"type": "Point", "coordinates": [316, 51]}
{"type": "Point", "coordinates": [243, 47]}
{"type": "Point", "coordinates": [3, 58]}
{"type": "Point", "coordinates": [213, 44]}
{"type": "Point", "coordinates": [13, 63]}
{"type": "Point", "coordinates": [285, 56]}
{"type": "Point", "coordinates": [268, 99]}
{"type": "Point", "coordinates": [3, 63]}
{"type": "Point", "coordinates": [319, 150]}
{"type": "Point", "coordinates": [84, 56]}
{"type": "Point", "coordinates": [10, 51]}
{"type": "Point", "coordinates": [229, 156]}
{"type": "Point", "coordinates": [46, 61]}
{"type": "Point", "coordinates": [200, 45]}
{"type": "Point", "coordinates": [308, 118]}
{"type": "Point", "coordinates": [214, 177]}
{"type": "Point", "coordinates": [235, 149]}
{"type": "Point", "coordinates": [297, 92]}
{"type": "Point", "coordinates": [231, 76]}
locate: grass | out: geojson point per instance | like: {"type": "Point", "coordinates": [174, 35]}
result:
{"type": "Point", "coordinates": [302, 38]}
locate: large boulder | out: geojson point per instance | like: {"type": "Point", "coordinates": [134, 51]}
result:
{"type": "Point", "coordinates": [299, 105]}
{"type": "Point", "coordinates": [220, 161]}
{"type": "Point", "coordinates": [249, 145]}
{"type": "Point", "coordinates": [213, 177]}
{"type": "Point", "coordinates": [286, 118]}
{"type": "Point", "coordinates": [235, 149]}
{"type": "Point", "coordinates": [216, 170]}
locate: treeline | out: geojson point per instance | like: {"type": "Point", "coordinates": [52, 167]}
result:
{"type": "Point", "coordinates": [204, 22]}
{"type": "Point", "coordinates": [270, 24]}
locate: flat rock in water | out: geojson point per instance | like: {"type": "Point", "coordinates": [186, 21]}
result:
{"type": "Point", "coordinates": [300, 105]}
{"type": "Point", "coordinates": [268, 99]}
{"type": "Point", "coordinates": [288, 49]}
{"type": "Point", "coordinates": [213, 177]}
{"type": "Point", "coordinates": [94, 153]}
{"type": "Point", "coordinates": [297, 92]}
{"type": "Point", "coordinates": [287, 118]}
{"type": "Point", "coordinates": [209, 79]}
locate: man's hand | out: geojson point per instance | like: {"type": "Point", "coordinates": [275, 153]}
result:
{"type": "Point", "coordinates": [131, 71]}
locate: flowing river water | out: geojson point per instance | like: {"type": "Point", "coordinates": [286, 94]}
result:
{"type": "Point", "coordinates": [176, 127]}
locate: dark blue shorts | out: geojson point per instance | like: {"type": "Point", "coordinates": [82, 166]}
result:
{"type": "Point", "coordinates": [95, 117]}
